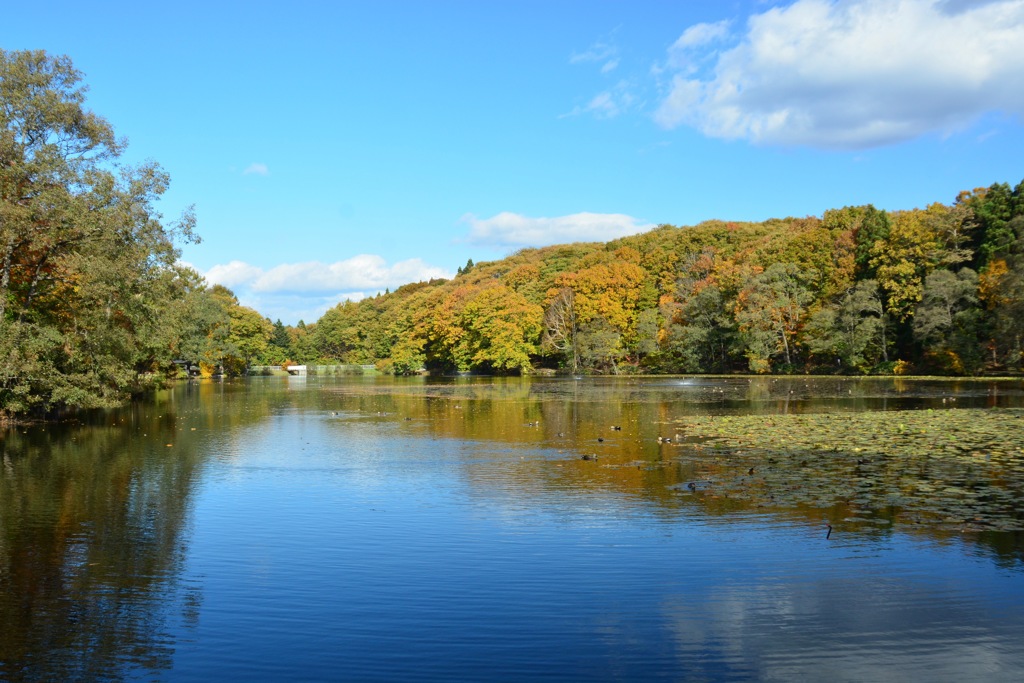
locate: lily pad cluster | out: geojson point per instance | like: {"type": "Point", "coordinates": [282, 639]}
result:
{"type": "Point", "coordinates": [958, 468]}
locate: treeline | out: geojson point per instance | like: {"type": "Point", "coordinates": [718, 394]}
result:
{"type": "Point", "coordinates": [859, 290]}
{"type": "Point", "coordinates": [93, 305]}
{"type": "Point", "coordinates": [95, 308]}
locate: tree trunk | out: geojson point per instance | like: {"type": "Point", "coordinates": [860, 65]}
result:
{"type": "Point", "coordinates": [785, 346]}
{"type": "Point", "coordinates": [5, 275]}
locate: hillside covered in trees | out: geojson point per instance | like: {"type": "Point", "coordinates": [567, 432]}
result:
{"type": "Point", "coordinates": [95, 307]}
{"type": "Point", "coordinates": [858, 290]}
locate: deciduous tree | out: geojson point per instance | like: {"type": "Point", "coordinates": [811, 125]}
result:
{"type": "Point", "coordinates": [87, 267]}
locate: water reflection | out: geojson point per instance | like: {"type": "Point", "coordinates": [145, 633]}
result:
{"type": "Point", "coordinates": [93, 519]}
{"type": "Point", "coordinates": [382, 529]}
{"type": "Point", "coordinates": [628, 431]}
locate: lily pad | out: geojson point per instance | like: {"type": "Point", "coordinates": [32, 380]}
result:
{"type": "Point", "coordinates": [956, 468]}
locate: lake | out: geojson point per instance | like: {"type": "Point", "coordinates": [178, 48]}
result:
{"type": "Point", "coordinates": [476, 529]}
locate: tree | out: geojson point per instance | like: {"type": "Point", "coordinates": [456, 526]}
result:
{"type": "Point", "coordinates": [250, 335]}
{"type": "Point", "coordinates": [769, 311]}
{"type": "Point", "coordinates": [301, 347]}
{"type": "Point", "coordinates": [485, 326]}
{"type": "Point", "coordinates": [280, 339]}
{"type": "Point", "coordinates": [340, 331]}
{"type": "Point", "coordinates": [561, 328]}
{"type": "Point", "coordinates": [702, 333]}
{"type": "Point", "coordinates": [613, 289]}
{"type": "Point", "coordinates": [852, 330]}
{"type": "Point", "coordinates": [648, 325]}
{"type": "Point", "coordinates": [600, 345]}
{"type": "Point", "coordinates": [953, 227]}
{"type": "Point", "coordinates": [947, 319]}
{"type": "Point", "coordinates": [872, 227]}
{"type": "Point", "coordinates": [201, 324]}
{"type": "Point", "coordinates": [994, 208]}
{"type": "Point", "coordinates": [902, 260]}
{"type": "Point", "coordinates": [1007, 317]}
{"type": "Point", "coordinates": [87, 268]}
{"type": "Point", "coordinates": [1001, 288]}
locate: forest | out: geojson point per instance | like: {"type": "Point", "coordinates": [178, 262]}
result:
{"type": "Point", "coordinates": [856, 291]}
{"type": "Point", "coordinates": [95, 307]}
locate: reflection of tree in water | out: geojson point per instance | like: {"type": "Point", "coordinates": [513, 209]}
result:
{"type": "Point", "coordinates": [94, 519]}
{"type": "Point", "coordinates": [566, 419]}
{"type": "Point", "coordinates": [91, 530]}
{"type": "Point", "coordinates": [92, 538]}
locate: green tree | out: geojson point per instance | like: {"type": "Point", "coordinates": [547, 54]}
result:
{"type": "Point", "coordinates": [953, 227]}
{"type": "Point", "coordinates": [87, 268]}
{"type": "Point", "coordinates": [994, 208]}
{"type": "Point", "coordinates": [1007, 318]}
{"type": "Point", "coordinates": [303, 349]}
{"type": "Point", "coordinates": [902, 261]}
{"type": "Point", "coordinates": [769, 311]}
{"type": "Point", "coordinates": [600, 346]}
{"type": "Point", "coordinates": [852, 331]}
{"type": "Point", "coordinates": [281, 339]}
{"type": "Point", "coordinates": [871, 227]}
{"type": "Point", "coordinates": [250, 335]}
{"type": "Point", "coordinates": [703, 333]}
{"type": "Point", "coordinates": [201, 325]}
{"type": "Point", "coordinates": [648, 326]}
{"type": "Point", "coordinates": [947, 320]}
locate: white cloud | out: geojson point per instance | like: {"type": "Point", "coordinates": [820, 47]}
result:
{"type": "Point", "coordinates": [601, 51]}
{"type": "Point", "coordinates": [515, 230]}
{"type": "Point", "coordinates": [613, 101]}
{"type": "Point", "coordinates": [294, 291]}
{"type": "Point", "coordinates": [605, 51]}
{"type": "Point", "coordinates": [232, 274]}
{"type": "Point", "coordinates": [680, 54]}
{"type": "Point", "coordinates": [363, 272]}
{"type": "Point", "coordinates": [602, 105]}
{"type": "Point", "coordinates": [256, 169]}
{"type": "Point", "coordinates": [290, 308]}
{"type": "Point", "coordinates": [606, 104]}
{"type": "Point", "coordinates": [852, 74]}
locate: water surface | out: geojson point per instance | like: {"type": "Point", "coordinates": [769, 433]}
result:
{"type": "Point", "coordinates": [380, 529]}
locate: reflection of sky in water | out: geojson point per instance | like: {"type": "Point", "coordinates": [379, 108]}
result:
{"type": "Point", "coordinates": [361, 546]}
{"type": "Point", "coordinates": [468, 542]}
{"type": "Point", "coordinates": [890, 623]}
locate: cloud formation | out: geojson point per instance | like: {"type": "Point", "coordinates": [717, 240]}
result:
{"type": "Point", "coordinates": [848, 75]}
{"type": "Point", "coordinates": [294, 291]}
{"type": "Point", "coordinates": [256, 169]}
{"type": "Point", "coordinates": [363, 272]}
{"type": "Point", "coordinates": [612, 101]}
{"type": "Point", "coordinates": [515, 230]}
{"type": "Point", "coordinates": [606, 104]}
{"type": "Point", "coordinates": [602, 51]}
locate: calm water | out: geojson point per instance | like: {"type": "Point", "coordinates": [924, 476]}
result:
{"type": "Point", "coordinates": [376, 529]}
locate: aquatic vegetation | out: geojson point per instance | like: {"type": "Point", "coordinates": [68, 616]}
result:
{"type": "Point", "coordinates": [962, 469]}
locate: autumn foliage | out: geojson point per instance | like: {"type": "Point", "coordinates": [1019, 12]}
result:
{"type": "Point", "coordinates": [858, 290]}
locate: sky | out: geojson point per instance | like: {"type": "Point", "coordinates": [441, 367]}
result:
{"type": "Point", "coordinates": [334, 150]}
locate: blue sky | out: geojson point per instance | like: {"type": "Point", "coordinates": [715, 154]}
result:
{"type": "Point", "coordinates": [335, 149]}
